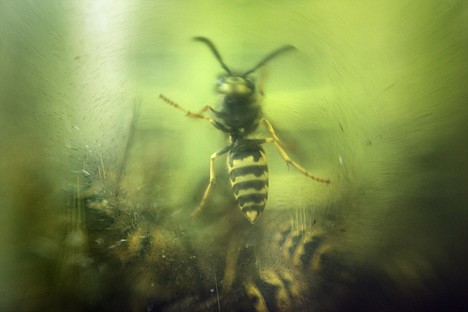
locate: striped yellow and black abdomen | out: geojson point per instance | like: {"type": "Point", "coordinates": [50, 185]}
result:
{"type": "Point", "coordinates": [248, 171]}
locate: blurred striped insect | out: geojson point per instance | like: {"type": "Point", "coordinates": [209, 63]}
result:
{"type": "Point", "coordinates": [239, 116]}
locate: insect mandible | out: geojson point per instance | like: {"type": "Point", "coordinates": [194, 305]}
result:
{"type": "Point", "coordinates": [239, 116]}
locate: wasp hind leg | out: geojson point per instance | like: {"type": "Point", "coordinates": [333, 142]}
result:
{"type": "Point", "coordinates": [212, 180]}
{"type": "Point", "coordinates": [274, 138]}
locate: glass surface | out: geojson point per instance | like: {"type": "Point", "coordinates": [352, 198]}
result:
{"type": "Point", "coordinates": [100, 176]}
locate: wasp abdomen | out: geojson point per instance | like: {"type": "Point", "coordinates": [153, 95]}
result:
{"type": "Point", "coordinates": [248, 172]}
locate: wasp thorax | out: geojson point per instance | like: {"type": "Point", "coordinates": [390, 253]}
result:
{"type": "Point", "coordinates": [235, 85]}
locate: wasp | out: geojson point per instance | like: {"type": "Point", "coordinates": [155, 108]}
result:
{"type": "Point", "coordinates": [239, 116]}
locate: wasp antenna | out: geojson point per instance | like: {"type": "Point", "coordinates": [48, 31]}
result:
{"type": "Point", "coordinates": [269, 57]}
{"type": "Point", "coordinates": [215, 52]}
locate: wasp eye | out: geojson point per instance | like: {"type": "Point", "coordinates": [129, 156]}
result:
{"type": "Point", "coordinates": [250, 84]}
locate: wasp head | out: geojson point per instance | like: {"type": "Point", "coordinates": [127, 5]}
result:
{"type": "Point", "coordinates": [239, 85]}
{"type": "Point", "coordinates": [235, 85]}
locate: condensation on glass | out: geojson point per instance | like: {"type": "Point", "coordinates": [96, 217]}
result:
{"type": "Point", "coordinates": [100, 176]}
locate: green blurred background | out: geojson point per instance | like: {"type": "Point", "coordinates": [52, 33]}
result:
{"type": "Point", "coordinates": [374, 99]}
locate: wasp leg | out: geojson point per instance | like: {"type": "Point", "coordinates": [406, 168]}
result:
{"type": "Point", "coordinates": [274, 138]}
{"type": "Point", "coordinates": [186, 111]}
{"type": "Point", "coordinates": [205, 109]}
{"type": "Point", "coordinates": [212, 180]}
{"type": "Point", "coordinates": [197, 115]}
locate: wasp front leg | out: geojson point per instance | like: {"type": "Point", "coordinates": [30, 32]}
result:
{"type": "Point", "coordinates": [188, 113]}
{"type": "Point", "coordinates": [212, 180]}
{"type": "Point", "coordinates": [274, 138]}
